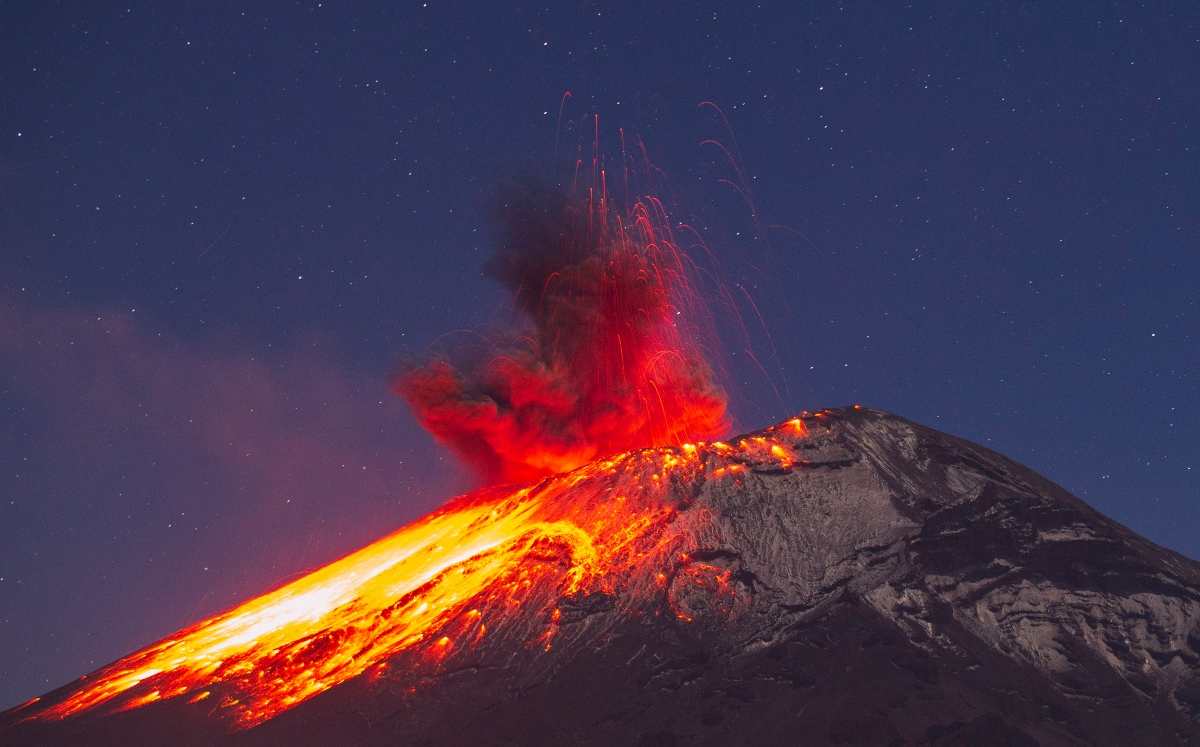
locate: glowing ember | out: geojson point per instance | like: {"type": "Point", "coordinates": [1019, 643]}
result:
{"type": "Point", "coordinates": [438, 585]}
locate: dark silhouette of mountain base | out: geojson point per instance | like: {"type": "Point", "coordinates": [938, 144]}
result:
{"type": "Point", "coordinates": [895, 586]}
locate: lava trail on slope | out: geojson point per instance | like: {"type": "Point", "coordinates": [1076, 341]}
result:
{"type": "Point", "coordinates": [436, 584]}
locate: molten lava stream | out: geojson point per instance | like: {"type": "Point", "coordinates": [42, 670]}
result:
{"type": "Point", "coordinates": [301, 639]}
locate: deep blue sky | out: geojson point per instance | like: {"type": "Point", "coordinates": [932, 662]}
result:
{"type": "Point", "coordinates": [221, 226]}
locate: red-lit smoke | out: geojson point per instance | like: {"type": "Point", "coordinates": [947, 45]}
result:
{"type": "Point", "coordinates": [610, 358]}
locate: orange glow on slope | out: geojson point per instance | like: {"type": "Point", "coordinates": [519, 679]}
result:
{"type": "Point", "coordinates": [434, 585]}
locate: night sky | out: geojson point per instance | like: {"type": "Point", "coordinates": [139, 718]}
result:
{"type": "Point", "coordinates": [222, 227]}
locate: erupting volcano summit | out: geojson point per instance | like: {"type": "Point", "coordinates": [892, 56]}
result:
{"type": "Point", "coordinates": [844, 577]}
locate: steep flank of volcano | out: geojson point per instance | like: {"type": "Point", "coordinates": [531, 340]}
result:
{"type": "Point", "coordinates": [845, 577]}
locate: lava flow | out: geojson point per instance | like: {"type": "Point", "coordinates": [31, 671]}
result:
{"type": "Point", "coordinates": [439, 583]}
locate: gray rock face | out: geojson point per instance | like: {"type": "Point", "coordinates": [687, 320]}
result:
{"type": "Point", "coordinates": [889, 585]}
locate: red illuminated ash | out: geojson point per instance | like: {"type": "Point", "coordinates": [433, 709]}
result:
{"type": "Point", "coordinates": [612, 358]}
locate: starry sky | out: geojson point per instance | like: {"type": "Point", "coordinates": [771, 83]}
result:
{"type": "Point", "coordinates": [223, 225]}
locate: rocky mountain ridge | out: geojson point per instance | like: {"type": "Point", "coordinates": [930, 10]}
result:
{"type": "Point", "coordinates": [883, 584]}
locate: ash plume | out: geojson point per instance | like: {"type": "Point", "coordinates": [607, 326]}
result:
{"type": "Point", "coordinates": [606, 353]}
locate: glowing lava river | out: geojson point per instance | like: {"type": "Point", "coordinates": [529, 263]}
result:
{"type": "Point", "coordinates": [443, 582]}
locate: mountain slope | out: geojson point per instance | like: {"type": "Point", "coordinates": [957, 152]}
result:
{"type": "Point", "coordinates": [844, 578]}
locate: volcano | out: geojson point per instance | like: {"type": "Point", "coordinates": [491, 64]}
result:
{"type": "Point", "coordinates": [844, 577]}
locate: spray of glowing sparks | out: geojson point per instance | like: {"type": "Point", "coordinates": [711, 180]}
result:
{"type": "Point", "coordinates": [611, 364]}
{"type": "Point", "coordinates": [613, 358]}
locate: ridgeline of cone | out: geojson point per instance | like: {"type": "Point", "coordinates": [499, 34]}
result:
{"type": "Point", "coordinates": [895, 585]}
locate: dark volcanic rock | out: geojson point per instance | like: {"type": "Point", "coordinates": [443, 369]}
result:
{"type": "Point", "coordinates": [896, 586]}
